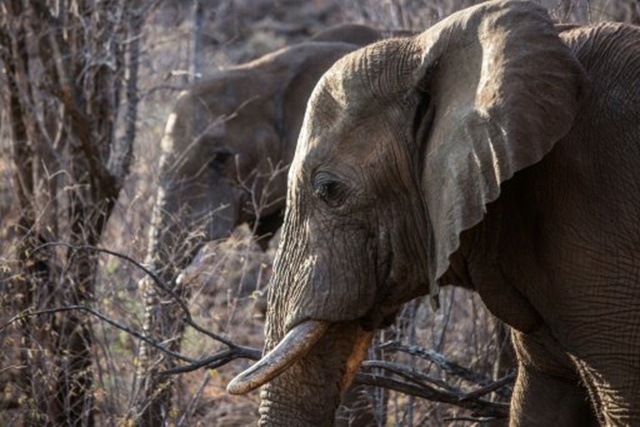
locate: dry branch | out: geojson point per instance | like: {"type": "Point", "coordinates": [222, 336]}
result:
{"type": "Point", "coordinates": [188, 319]}
{"type": "Point", "coordinates": [478, 406]}
{"type": "Point", "coordinates": [448, 366]}
{"type": "Point", "coordinates": [409, 374]}
{"type": "Point", "coordinates": [217, 360]}
{"type": "Point", "coordinates": [221, 358]}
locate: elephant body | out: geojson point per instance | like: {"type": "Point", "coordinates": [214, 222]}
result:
{"type": "Point", "coordinates": [496, 152]}
{"type": "Point", "coordinates": [564, 237]}
{"type": "Point", "coordinates": [556, 257]}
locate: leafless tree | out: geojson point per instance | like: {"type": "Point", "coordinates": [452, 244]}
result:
{"type": "Point", "coordinates": [71, 69]}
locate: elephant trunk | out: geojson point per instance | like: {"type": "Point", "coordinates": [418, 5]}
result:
{"type": "Point", "coordinates": [306, 367]}
{"type": "Point", "coordinates": [309, 391]}
{"type": "Point", "coordinates": [313, 345]}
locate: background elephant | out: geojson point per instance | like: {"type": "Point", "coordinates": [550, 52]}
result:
{"type": "Point", "coordinates": [225, 152]}
{"type": "Point", "coordinates": [489, 152]}
{"type": "Point", "coordinates": [228, 141]}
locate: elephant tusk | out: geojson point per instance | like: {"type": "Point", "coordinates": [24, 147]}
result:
{"type": "Point", "coordinates": [293, 346]}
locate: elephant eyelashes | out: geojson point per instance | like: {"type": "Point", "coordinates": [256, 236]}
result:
{"type": "Point", "coordinates": [328, 189]}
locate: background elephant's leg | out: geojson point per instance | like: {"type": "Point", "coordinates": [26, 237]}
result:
{"type": "Point", "coordinates": [542, 400]}
{"type": "Point", "coordinates": [265, 228]}
{"type": "Point", "coordinates": [506, 362]}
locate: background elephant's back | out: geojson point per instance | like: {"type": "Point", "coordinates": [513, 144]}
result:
{"type": "Point", "coordinates": [357, 34]}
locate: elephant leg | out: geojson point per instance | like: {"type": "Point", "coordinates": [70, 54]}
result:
{"type": "Point", "coordinates": [547, 392]}
{"type": "Point", "coordinates": [613, 393]}
{"type": "Point", "coordinates": [542, 400]}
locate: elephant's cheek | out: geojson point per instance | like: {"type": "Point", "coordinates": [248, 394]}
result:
{"type": "Point", "coordinates": [357, 355]}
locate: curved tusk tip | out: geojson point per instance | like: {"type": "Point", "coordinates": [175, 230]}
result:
{"type": "Point", "coordinates": [241, 385]}
{"type": "Point", "coordinates": [293, 346]}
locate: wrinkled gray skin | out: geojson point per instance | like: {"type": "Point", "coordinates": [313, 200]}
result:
{"type": "Point", "coordinates": [225, 153]}
{"type": "Point", "coordinates": [488, 152]}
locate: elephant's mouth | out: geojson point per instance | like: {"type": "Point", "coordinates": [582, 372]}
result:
{"type": "Point", "coordinates": [299, 341]}
{"type": "Point", "coordinates": [304, 336]}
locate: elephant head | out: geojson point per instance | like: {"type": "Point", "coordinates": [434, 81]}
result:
{"type": "Point", "coordinates": [404, 144]}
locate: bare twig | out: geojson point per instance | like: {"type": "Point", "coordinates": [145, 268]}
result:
{"type": "Point", "coordinates": [423, 380]}
{"type": "Point", "coordinates": [409, 374]}
{"type": "Point", "coordinates": [156, 280]}
{"type": "Point", "coordinates": [27, 314]}
{"type": "Point", "coordinates": [219, 359]}
{"type": "Point", "coordinates": [448, 366]}
{"type": "Point", "coordinates": [193, 404]}
{"type": "Point", "coordinates": [504, 381]}
{"type": "Point", "coordinates": [476, 420]}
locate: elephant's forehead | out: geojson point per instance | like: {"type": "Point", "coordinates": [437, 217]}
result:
{"type": "Point", "coordinates": [328, 118]}
{"type": "Point", "coordinates": [337, 139]}
{"type": "Point", "coordinates": [379, 71]}
{"type": "Point", "coordinates": [338, 89]}
{"type": "Point", "coordinates": [343, 111]}
{"type": "Point", "coordinates": [345, 82]}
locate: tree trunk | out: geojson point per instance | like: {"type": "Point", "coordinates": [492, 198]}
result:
{"type": "Point", "coordinates": [163, 317]}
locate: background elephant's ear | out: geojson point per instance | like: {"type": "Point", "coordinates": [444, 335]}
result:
{"type": "Point", "coordinates": [502, 89]}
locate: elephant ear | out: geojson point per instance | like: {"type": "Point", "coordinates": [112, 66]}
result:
{"type": "Point", "coordinates": [501, 89]}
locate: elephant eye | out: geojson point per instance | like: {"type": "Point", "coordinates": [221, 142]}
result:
{"type": "Point", "coordinates": [329, 189]}
{"type": "Point", "coordinates": [220, 158]}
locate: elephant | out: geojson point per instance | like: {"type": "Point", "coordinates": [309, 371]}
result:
{"type": "Point", "coordinates": [495, 152]}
